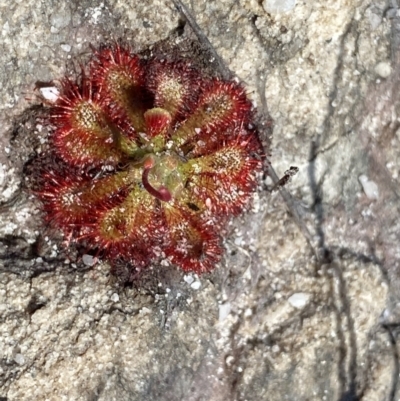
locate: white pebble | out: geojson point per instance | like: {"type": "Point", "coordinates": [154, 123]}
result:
{"type": "Point", "coordinates": [66, 48]}
{"type": "Point", "coordinates": [88, 260]}
{"type": "Point", "coordinates": [229, 360]}
{"type": "Point", "coordinates": [383, 69]}
{"type": "Point", "coordinates": [238, 241]}
{"type": "Point", "coordinates": [299, 300]}
{"type": "Point", "coordinates": [196, 285]}
{"type": "Point", "coordinates": [114, 297]}
{"type": "Point", "coordinates": [248, 312]}
{"type": "Point", "coordinates": [19, 359]}
{"type": "Point", "coordinates": [370, 188]}
{"type": "Point", "coordinates": [188, 278]}
{"type": "Point", "coordinates": [278, 6]}
{"type": "Point", "coordinates": [223, 311]}
{"type": "Point", "coordinates": [50, 93]}
{"type": "Point", "coordinates": [275, 348]}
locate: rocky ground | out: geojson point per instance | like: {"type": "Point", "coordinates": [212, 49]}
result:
{"type": "Point", "coordinates": [306, 302]}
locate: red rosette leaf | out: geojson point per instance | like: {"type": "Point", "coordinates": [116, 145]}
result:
{"type": "Point", "coordinates": [120, 78]}
{"type": "Point", "coordinates": [175, 86]}
{"type": "Point", "coordinates": [130, 230]}
{"type": "Point", "coordinates": [221, 108]}
{"type": "Point", "coordinates": [223, 181]}
{"type": "Point", "coordinates": [191, 244]}
{"type": "Point", "coordinates": [158, 127]}
{"type": "Point", "coordinates": [83, 135]}
{"type": "Point", "coordinates": [75, 202]}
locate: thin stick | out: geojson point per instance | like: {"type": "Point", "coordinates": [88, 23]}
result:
{"type": "Point", "coordinates": [223, 69]}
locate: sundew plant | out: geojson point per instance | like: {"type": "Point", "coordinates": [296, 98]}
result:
{"type": "Point", "coordinates": [148, 159]}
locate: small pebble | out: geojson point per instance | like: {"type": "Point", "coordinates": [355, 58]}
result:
{"type": "Point", "coordinates": [19, 359]}
{"type": "Point", "coordinates": [229, 360]}
{"type": "Point", "coordinates": [114, 297]}
{"type": "Point", "coordinates": [188, 278]}
{"type": "Point", "coordinates": [275, 348]}
{"type": "Point", "coordinates": [299, 300]}
{"type": "Point", "coordinates": [50, 93]}
{"type": "Point", "coordinates": [383, 69]}
{"type": "Point", "coordinates": [196, 285]}
{"type": "Point", "coordinates": [66, 48]}
{"type": "Point", "coordinates": [88, 260]}
{"type": "Point", "coordinates": [278, 6]}
{"type": "Point", "coordinates": [223, 311]}
{"type": "Point", "coordinates": [370, 188]}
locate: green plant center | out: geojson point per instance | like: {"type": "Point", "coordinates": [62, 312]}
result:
{"type": "Point", "coordinates": [164, 172]}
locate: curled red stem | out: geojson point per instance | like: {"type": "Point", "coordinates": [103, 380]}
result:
{"type": "Point", "coordinates": [161, 193]}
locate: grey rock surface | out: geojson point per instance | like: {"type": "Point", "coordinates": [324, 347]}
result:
{"type": "Point", "coordinates": [301, 308]}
